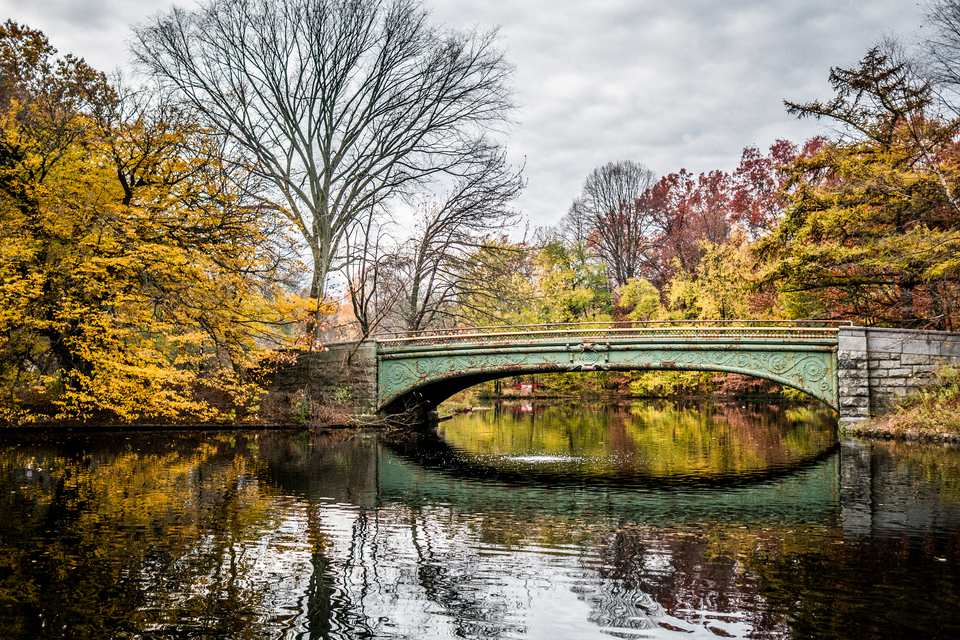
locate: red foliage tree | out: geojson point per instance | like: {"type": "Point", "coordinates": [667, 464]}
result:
{"type": "Point", "coordinates": [759, 184]}
{"type": "Point", "coordinates": [690, 209]}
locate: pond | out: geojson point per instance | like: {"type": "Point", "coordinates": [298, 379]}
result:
{"type": "Point", "coordinates": [553, 520]}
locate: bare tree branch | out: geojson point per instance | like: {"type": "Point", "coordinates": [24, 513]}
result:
{"type": "Point", "coordinates": [611, 218]}
{"type": "Point", "coordinates": [451, 258]}
{"type": "Point", "coordinates": [342, 105]}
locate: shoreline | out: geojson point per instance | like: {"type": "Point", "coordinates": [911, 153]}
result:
{"type": "Point", "coordinates": [74, 429]}
{"type": "Point", "coordinates": [879, 429]}
{"type": "Point", "coordinates": [913, 436]}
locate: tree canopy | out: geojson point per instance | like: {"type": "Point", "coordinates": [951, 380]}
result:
{"type": "Point", "coordinates": [136, 279]}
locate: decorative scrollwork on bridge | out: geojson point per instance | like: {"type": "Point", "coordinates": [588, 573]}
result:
{"type": "Point", "coordinates": [803, 357]}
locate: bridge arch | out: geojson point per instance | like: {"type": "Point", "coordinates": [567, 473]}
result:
{"type": "Point", "coordinates": [425, 370]}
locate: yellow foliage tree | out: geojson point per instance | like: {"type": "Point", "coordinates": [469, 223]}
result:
{"type": "Point", "coordinates": [639, 300]}
{"type": "Point", "coordinates": [724, 286]}
{"type": "Point", "coordinates": [137, 277]}
{"type": "Point", "coordinates": [872, 227]}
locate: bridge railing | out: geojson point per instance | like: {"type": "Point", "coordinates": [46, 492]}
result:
{"type": "Point", "coordinates": [704, 329]}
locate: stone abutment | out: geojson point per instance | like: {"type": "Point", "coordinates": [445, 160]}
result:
{"type": "Point", "coordinates": [876, 367]}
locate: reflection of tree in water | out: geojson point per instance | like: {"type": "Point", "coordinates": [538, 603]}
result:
{"type": "Point", "coordinates": [328, 467]}
{"type": "Point", "coordinates": [656, 438]}
{"type": "Point", "coordinates": [386, 575]}
{"type": "Point", "coordinates": [184, 535]}
{"type": "Point", "coordinates": [98, 543]}
{"type": "Point", "coordinates": [449, 577]}
{"type": "Point", "coordinates": [331, 610]}
{"type": "Point", "coordinates": [376, 564]}
{"type": "Point", "coordinates": [679, 582]}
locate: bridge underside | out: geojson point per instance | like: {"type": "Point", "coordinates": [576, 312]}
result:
{"type": "Point", "coordinates": [427, 374]}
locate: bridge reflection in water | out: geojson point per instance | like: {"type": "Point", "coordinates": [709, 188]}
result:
{"type": "Point", "coordinates": [351, 535]}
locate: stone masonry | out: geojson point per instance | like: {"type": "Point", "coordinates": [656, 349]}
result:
{"type": "Point", "coordinates": [877, 366]}
{"type": "Point", "coordinates": [344, 375]}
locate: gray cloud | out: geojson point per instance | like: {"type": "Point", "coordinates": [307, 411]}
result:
{"type": "Point", "coordinates": [672, 84]}
{"type": "Point", "coordinates": [685, 83]}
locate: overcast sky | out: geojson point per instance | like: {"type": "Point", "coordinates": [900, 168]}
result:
{"type": "Point", "coordinates": [671, 83]}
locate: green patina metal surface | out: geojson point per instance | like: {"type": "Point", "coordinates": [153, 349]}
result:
{"type": "Point", "coordinates": [434, 366]}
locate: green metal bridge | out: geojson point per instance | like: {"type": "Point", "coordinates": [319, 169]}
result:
{"type": "Point", "coordinates": [425, 368]}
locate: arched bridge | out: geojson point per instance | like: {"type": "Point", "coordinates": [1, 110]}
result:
{"type": "Point", "coordinates": [856, 370]}
{"type": "Point", "coordinates": [429, 367]}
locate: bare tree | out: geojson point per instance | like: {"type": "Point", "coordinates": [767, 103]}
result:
{"type": "Point", "coordinates": [342, 104]}
{"type": "Point", "coordinates": [450, 265]}
{"type": "Point", "coordinates": [575, 230]}
{"type": "Point", "coordinates": [367, 265]}
{"type": "Point", "coordinates": [610, 210]}
{"type": "Point", "coordinates": [943, 49]}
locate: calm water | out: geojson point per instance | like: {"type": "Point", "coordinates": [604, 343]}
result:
{"type": "Point", "coordinates": [635, 521]}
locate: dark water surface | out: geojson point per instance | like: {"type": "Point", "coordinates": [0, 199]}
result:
{"type": "Point", "coordinates": [650, 520]}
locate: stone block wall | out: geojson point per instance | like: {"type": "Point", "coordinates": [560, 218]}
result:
{"type": "Point", "coordinates": [344, 376]}
{"type": "Point", "coordinates": [876, 367]}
